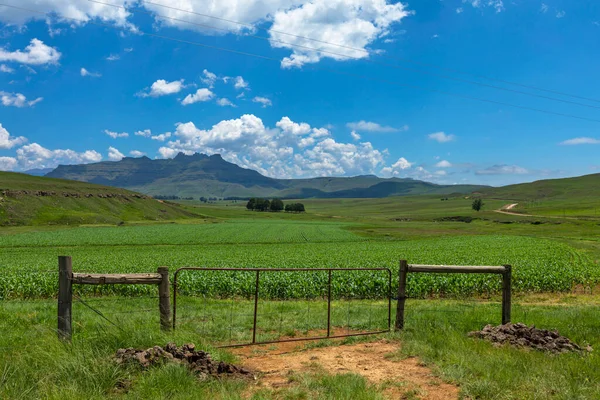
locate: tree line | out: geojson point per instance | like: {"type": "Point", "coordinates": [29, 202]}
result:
{"type": "Point", "coordinates": [275, 205]}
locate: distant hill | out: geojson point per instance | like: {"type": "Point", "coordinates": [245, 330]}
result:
{"type": "Point", "coordinates": [38, 171]}
{"type": "Point", "coordinates": [549, 189]}
{"type": "Point", "coordinates": [211, 176]}
{"type": "Point", "coordinates": [31, 200]}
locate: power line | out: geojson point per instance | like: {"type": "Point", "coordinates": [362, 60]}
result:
{"type": "Point", "coordinates": [368, 52]}
{"type": "Point", "coordinates": [316, 68]}
{"type": "Point", "coordinates": [352, 57]}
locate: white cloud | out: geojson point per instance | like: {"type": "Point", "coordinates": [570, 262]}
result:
{"type": "Point", "coordinates": [441, 173]}
{"type": "Point", "coordinates": [81, 10]}
{"type": "Point", "coordinates": [497, 5]}
{"type": "Point", "coordinates": [443, 164]}
{"type": "Point", "coordinates": [145, 133]}
{"type": "Point", "coordinates": [116, 135]}
{"type": "Point", "coordinates": [35, 156]}
{"type": "Point", "coordinates": [262, 100]}
{"type": "Point", "coordinates": [113, 57]}
{"type": "Point", "coordinates": [200, 95]}
{"type": "Point", "coordinates": [441, 137]}
{"type": "Point", "coordinates": [128, 49]}
{"type": "Point", "coordinates": [373, 127]}
{"type": "Point", "coordinates": [162, 137]}
{"type": "Point", "coordinates": [7, 141]}
{"type": "Point", "coordinates": [289, 126]}
{"type": "Point", "coordinates": [459, 10]}
{"type": "Point", "coordinates": [580, 140]}
{"type": "Point", "coordinates": [249, 11]}
{"type": "Point", "coordinates": [240, 83]}
{"type": "Point", "coordinates": [560, 14]}
{"type": "Point", "coordinates": [503, 169]}
{"type": "Point", "coordinates": [37, 53]}
{"type": "Point", "coordinates": [6, 69]}
{"type": "Point", "coordinates": [397, 168]}
{"type": "Point", "coordinates": [85, 72]}
{"type": "Point", "coordinates": [544, 8]}
{"type": "Point", "coordinates": [114, 154]}
{"type": "Point", "coordinates": [17, 100]}
{"type": "Point", "coordinates": [353, 24]}
{"type": "Point", "coordinates": [355, 135]}
{"type": "Point", "coordinates": [209, 78]}
{"type": "Point", "coordinates": [162, 88]}
{"type": "Point", "coordinates": [136, 153]}
{"type": "Point", "coordinates": [223, 102]}
{"type": "Point", "coordinates": [7, 163]}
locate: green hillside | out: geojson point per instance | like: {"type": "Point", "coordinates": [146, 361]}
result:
{"type": "Point", "coordinates": [211, 176]}
{"type": "Point", "coordinates": [32, 200]}
{"type": "Point", "coordinates": [579, 196]}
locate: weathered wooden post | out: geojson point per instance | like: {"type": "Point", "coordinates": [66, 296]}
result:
{"type": "Point", "coordinates": [164, 299]}
{"type": "Point", "coordinates": [65, 297]}
{"type": "Point", "coordinates": [506, 294]}
{"type": "Point", "coordinates": [403, 271]}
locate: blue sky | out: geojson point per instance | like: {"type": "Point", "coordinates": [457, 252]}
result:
{"type": "Point", "coordinates": [338, 87]}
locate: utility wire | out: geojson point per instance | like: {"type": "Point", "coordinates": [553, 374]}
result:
{"type": "Point", "coordinates": [353, 57]}
{"type": "Point", "coordinates": [317, 68]}
{"type": "Point", "coordinates": [253, 27]}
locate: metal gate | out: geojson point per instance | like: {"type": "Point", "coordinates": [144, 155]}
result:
{"type": "Point", "coordinates": [258, 272]}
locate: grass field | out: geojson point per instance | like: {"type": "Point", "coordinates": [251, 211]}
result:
{"type": "Point", "coordinates": [552, 258]}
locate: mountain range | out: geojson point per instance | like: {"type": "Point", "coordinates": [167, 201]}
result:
{"type": "Point", "coordinates": [211, 176]}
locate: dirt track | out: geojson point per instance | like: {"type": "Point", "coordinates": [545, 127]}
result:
{"type": "Point", "coordinates": [375, 361]}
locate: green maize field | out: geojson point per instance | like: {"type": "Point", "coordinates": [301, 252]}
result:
{"type": "Point", "coordinates": [29, 260]}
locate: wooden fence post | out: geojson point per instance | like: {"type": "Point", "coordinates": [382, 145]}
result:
{"type": "Point", "coordinates": [164, 299]}
{"type": "Point", "coordinates": [65, 297]}
{"type": "Point", "coordinates": [401, 294]}
{"type": "Point", "coordinates": [506, 294]}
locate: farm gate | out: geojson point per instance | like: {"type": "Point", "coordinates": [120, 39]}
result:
{"type": "Point", "coordinates": [256, 314]}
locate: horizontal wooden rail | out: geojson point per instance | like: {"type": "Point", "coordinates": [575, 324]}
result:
{"type": "Point", "coordinates": [457, 269]}
{"type": "Point", "coordinates": [117, 279]}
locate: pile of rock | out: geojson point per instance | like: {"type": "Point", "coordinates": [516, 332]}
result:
{"type": "Point", "coordinates": [199, 362]}
{"type": "Point", "coordinates": [521, 335]}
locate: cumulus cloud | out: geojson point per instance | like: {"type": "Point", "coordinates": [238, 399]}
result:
{"type": "Point", "coordinates": [145, 133]}
{"type": "Point", "coordinates": [37, 53]}
{"type": "Point", "coordinates": [560, 14]}
{"type": "Point", "coordinates": [6, 69]}
{"type": "Point", "coordinates": [580, 140]}
{"type": "Point", "coordinates": [17, 100]}
{"type": "Point", "coordinates": [357, 24]}
{"type": "Point", "coordinates": [7, 141]}
{"type": "Point", "coordinates": [365, 126]}
{"type": "Point", "coordinates": [443, 164]}
{"type": "Point", "coordinates": [162, 137]}
{"type": "Point", "coordinates": [114, 154]}
{"type": "Point", "coordinates": [85, 72]}
{"type": "Point", "coordinates": [355, 135]}
{"type": "Point", "coordinates": [441, 137]}
{"type": "Point", "coordinates": [289, 126]}
{"type": "Point", "coordinates": [223, 102]}
{"type": "Point", "coordinates": [136, 153]}
{"type": "Point", "coordinates": [113, 57]}
{"type": "Point", "coordinates": [239, 83]}
{"type": "Point", "coordinates": [80, 10]}
{"type": "Point", "coordinates": [544, 8]}
{"type": "Point", "coordinates": [35, 156]}
{"type": "Point", "coordinates": [397, 168]}
{"type": "Point", "coordinates": [116, 135]}
{"type": "Point", "coordinates": [7, 163]}
{"type": "Point", "coordinates": [162, 88]}
{"type": "Point", "coordinates": [262, 100]}
{"type": "Point", "coordinates": [503, 169]}
{"type": "Point", "coordinates": [202, 94]}
{"type": "Point", "coordinates": [209, 78]}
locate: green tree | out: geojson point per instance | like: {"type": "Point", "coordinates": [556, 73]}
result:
{"type": "Point", "coordinates": [477, 204]}
{"type": "Point", "coordinates": [276, 205]}
{"type": "Point", "coordinates": [251, 205]}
